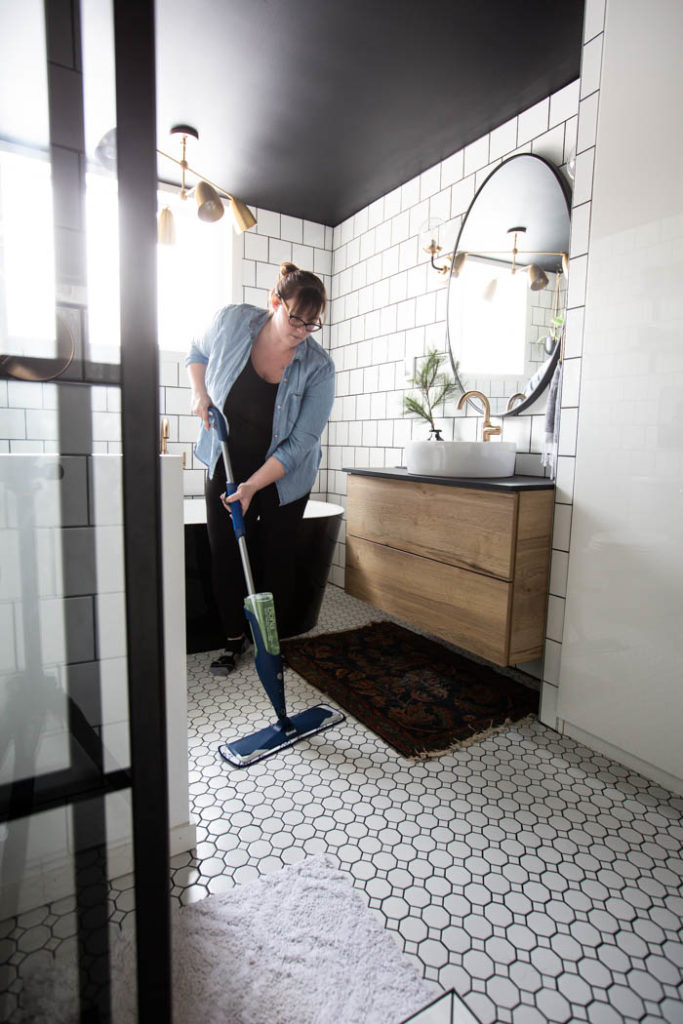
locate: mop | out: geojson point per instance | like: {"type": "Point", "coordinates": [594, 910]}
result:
{"type": "Point", "coordinates": [260, 612]}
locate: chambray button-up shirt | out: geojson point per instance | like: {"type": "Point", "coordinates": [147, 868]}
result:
{"type": "Point", "coordinates": [302, 405]}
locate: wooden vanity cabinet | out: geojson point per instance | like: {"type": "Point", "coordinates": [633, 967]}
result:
{"type": "Point", "coordinates": [470, 566]}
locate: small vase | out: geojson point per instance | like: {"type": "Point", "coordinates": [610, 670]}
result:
{"type": "Point", "coordinates": [435, 435]}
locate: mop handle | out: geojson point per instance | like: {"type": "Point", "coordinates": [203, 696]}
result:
{"type": "Point", "coordinates": [218, 423]}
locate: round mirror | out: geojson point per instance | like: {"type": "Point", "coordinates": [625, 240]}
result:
{"type": "Point", "coordinates": [508, 284]}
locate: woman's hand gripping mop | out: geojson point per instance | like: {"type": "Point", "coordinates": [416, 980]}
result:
{"type": "Point", "coordinates": [260, 612]}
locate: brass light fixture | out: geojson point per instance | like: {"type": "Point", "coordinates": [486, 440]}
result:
{"type": "Point", "coordinates": [209, 205]}
{"type": "Point", "coordinates": [429, 241]}
{"type": "Point", "coordinates": [538, 279]}
{"type": "Point", "coordinates": [166, 227]}
{"type": "Point", "coordinates": [207, 192]}
{"type": "Point", "coordinates": [208, 195]}
{"type": "Point", "coordinates": [433, 248]}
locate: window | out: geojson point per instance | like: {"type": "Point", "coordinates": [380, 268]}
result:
{"type": "Point", "coordinates": [491, 335]}
{"type": "Point", "coordinates": [27, 285]}
{"type": "Point", "coordinates": [194, 275]}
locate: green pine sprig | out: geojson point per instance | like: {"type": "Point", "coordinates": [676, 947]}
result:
{"type": "Point", "coordinates": [434, 387]}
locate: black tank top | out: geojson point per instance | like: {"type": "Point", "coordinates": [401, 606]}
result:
{"type": "Point", "coordinates": [249, 411]}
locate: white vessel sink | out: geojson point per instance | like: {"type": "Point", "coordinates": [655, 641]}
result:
{"type": "Point", "coordinates": [461, 458]}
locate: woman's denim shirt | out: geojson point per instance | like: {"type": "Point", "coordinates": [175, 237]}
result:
{"type": "Point", "coordinates": [302, 405]}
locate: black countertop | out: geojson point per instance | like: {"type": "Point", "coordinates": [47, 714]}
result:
{"type": "Point", "coordinates": [505, 483]}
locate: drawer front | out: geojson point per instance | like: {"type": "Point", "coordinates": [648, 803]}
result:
{"type": "Point", "coordinates": [467, 528]}
{"type": "Point", "coordinates": [464, 608]}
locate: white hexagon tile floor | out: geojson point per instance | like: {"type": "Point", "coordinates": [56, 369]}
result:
{"type": "Point", "coordinates": [539, 879]}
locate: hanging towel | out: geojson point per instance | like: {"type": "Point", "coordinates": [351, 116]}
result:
{"type": "Point", "coordinates": [552, 421]}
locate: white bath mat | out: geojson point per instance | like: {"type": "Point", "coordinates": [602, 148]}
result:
{"type": "Point", "coordinates": [295, 947]}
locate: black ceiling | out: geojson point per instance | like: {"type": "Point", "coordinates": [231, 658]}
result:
{"type": "Point", "coordinates": [315, 108]}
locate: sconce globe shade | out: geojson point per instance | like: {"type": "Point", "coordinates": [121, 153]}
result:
{"type": "Point", "coordinates": [571, 164]}
{"type": "Point", "coordinates": [166, 227]}
{"type": "Point", "coordinates": [458, 263]}
{"type": "Point", "coordinates": [242, 216]}
{"type": "Point", "coordinates": [105, 150]}
{"type": "Point", "coordinates": [429, 234]}
{"type": "Point", "coordinates": [209, 205]}
{"type": "Point", "coordinates": [538, 279]}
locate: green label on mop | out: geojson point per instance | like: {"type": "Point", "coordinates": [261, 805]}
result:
{"type": "Point", "coordinates": [262, 608]}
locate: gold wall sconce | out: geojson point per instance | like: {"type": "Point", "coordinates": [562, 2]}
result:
{"type": "Point", "coordinates": [433, 248]}
{"type": "Point", "coordinates": [208, 195]}
{"type": "Point", "coordinates": [429, 239]}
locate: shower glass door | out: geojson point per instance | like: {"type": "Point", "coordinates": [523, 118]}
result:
{"type": "Point", "coordinates": [81, 664]}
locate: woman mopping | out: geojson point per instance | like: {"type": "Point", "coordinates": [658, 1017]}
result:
{"type": "Point", "coordinates": [275, 387]}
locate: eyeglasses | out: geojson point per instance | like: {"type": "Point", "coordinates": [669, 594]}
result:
{"type": "Point", "coordinates": [296, 321]}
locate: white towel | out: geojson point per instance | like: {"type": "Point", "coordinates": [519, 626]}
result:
{"type": "Point", "coordinates": [552, 421]}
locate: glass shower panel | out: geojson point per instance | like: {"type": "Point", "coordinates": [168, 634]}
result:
{"type": "Point", "coordinates": [28, 323]}
{"type": "Point", "coordinates": [78, 950]}
{"type": "Point", "coordinates": [101, 202]}
{"type": "Point", "coordinates": [66, 837]}
{"type": "Point", "coordinates": [35, 732]}
{"type": "Point", "coordinates": [37, 930]}
{"type": "Point", "coordinates": [106, 510]}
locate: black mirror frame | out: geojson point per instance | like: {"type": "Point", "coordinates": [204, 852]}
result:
{"type": "Point", "coordinates": [552, 360]}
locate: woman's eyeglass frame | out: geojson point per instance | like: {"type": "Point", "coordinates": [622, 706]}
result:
{"type": "Point", "coordinates": [296, 321]}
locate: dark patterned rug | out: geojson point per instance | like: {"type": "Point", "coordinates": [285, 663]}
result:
{"type": "Point", "coordinates": [419, 696]}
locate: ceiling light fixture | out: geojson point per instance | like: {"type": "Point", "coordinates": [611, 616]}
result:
{"type": "Point", "coordinates": [208, 195]}
{"type": "Point", "coordinates": [538, 279]}
{"type": "Point", "coordinates": [166, 227]}
{"type": "Point", "coordinates": [207, 192]}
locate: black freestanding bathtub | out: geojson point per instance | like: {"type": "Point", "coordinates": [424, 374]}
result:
{"type": "Point", "coordinates": [317, 539]}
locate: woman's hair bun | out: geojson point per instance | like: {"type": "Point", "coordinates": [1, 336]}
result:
{"type": "Point", "coordinates": [301, 287]}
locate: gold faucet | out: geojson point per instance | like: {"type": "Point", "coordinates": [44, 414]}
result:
{"type": "Point", "coordinates": [164, 435]}
{"type": "Point", "coordinates": [513, 399]}
{"type": "Point", "coordinates": [487, 429]}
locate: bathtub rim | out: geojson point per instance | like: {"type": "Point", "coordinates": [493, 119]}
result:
{"type": "Point", "coordinates": [194, 510]}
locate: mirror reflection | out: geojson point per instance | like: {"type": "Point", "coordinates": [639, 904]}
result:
{"type": "Point", "coordinates": [508, 283]}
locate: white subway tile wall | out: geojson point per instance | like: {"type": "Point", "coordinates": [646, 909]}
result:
{"type": "Point", "coordinates": [389, 308]}
{"type": "Point", "coordinates": [591, 69]}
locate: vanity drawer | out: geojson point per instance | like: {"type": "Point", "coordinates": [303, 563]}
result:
{"type": "Point", "coordinates": [470, 566]}
{"type": "Point", "coordinates": [465, 608]}
{"type": "Point", "coordinates": [475, 530]}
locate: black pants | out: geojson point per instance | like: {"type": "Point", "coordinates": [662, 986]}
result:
{"type": "Point", "coordinates": [271, 532]}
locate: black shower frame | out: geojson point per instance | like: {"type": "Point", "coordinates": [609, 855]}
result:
{"type": "Point", "coordinates": [138, 379]}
